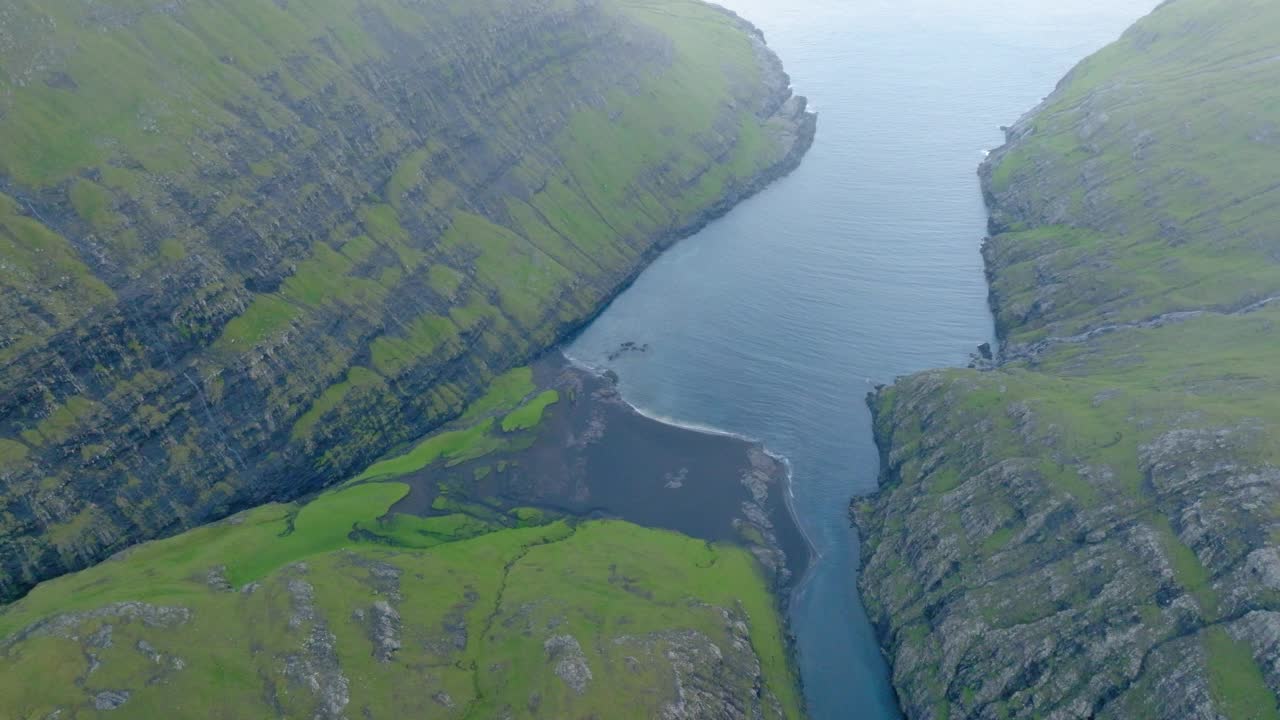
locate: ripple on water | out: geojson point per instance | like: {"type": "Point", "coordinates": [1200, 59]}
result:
{"type": "Point", "coordinates": [863, 265]}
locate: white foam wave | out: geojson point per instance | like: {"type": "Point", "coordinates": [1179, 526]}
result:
{"type": "Point", "coordinates": [676, 422]}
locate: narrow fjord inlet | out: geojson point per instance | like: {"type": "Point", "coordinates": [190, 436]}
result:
{"type": "Point", "coordinates": [612, 359]}
{"type": "Point", "coordinates": [862, 265]}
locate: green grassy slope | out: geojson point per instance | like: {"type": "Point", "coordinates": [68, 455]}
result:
{"type": "Point", "coordinates": [1144, 185]}
{"type": "Point", "coordinates": [337, 607]}
{"type": "Point", "coordinates": [1091, 528]}
{"type": "Point", "coordinates": [250, 246]}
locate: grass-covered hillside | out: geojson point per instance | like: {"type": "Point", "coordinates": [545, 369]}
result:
{"type": "Point", "coordinates": [1092, 527]}
{"type": "Point", "coordinates": [344, 607]}
{"type": "Point", "coordinates": [249, 246]}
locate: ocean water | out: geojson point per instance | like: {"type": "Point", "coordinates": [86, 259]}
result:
{"type": "Point", "coordinates": [863, 265]}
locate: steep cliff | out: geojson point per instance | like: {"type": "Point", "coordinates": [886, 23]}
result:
{"type": "Point", "coordinates": [249, 246]}
{"type": "Point", "coordinates": [451, 581]}
{"type": "Point", "coordinates": [1091, 526]}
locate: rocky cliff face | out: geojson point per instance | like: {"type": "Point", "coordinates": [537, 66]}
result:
{"type": "Point", "coordinates": [1089, 527]}
{"type": "Point", "coordinates": [447, 581]}
{"type": "Point", "coordinates": [248, 247]}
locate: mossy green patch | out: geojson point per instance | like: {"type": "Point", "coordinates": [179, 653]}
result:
{"type": "Point", "coordinates": [505, 393]}
{"type": "Point", "coordinates": [172, 250]}
{"type": "Point", "coordinates": [266, 316]}
{"type": "Point", "coordinates": [46, 286]}
{"type": "Point", "coordinates": [12, 452]}
{"type": "Point", "coordinates": [62, 422]}
{"type": "Point", "coordinates": [529, 415]}
{"type": "Point", "coordinates": [322, 525]}
{"type": "Point", "coordinates": [64, 534]}
{"type": "Point", "coordinates": [407, 176]}
{"type": "Point", "coordinates": [1239, 689]}
{"type": "Point", "coordinates": [525, 277]}
{"type": "Point", "coordinates": [997, 540]}
{"type": "Point", "coordinates": [419, 532]}
{"type": "Point", "coordinates": [357, 378]}
{"type": "Point", "coordinates": [382, 222]}
{"type": "Point", "coordinates": [528, 517]}
{"type": "Point", "coordinates": [445, 280]}
{"type": "Point", "coordinates": [453, 447]}
{"type": "Point", "coordinates": [1187, 568]}
{"type": "Point", "coordinates": [418, 341]}
{"type": "Point", "coordinates": [93, 204]}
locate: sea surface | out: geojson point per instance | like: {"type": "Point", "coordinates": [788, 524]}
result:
{"type": "Point", "coordinates": [863, 265]}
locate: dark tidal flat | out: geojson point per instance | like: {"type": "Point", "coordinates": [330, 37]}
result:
{"type": "Point", "coordinates": [595, 456]}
